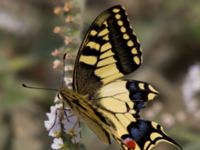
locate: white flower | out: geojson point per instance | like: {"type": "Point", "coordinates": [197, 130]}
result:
{"type": "Point", "coordinates": [71, 127]}
{"type": "Point", "coordinates": [68, 81]}
{"type": "Point", "coordinates": [57, 99]}
{"type": "Point", "coordinates": [56, 64]}
{"type": "Point", "coordinates": [191, 87]}
{"type": "Point", "coordinates": [77, 136]}
{"type": "Point", "coordinates": [73, 130]}
{"type": "Point", "coordinates": [53, 123]}
{"type": "Point", "coordinates": [51, 118]}
{"type": "Point", "coordinates": [57, 143]}
{"type": "Point", "coordinates": [68, 68]}
{"type": "Point", "coordinates": [69, 122]}
{"type": "Point", "coordinates": [62, 121]}
{"type": "Point", "coordinates": [55, 130]}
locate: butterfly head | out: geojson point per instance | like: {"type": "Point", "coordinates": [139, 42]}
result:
{"type": "Point", "coordinates": [65, 93]}
{"type": "Point", "coordinates": [69, 97]}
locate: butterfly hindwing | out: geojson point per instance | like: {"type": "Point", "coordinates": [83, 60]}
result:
{"type": "Point", "coordinates": [120, 102]}
{"type": "Point", "coordinates": [140, 92]}
{"type": "Point", "coordinates": [125, 96]}
{"type": "Point", "coordinates": [144, 135]}
{"type": "Point", "coordinates": [109, 51]}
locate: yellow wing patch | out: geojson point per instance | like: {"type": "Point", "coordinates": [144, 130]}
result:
{"type": "Point", "coordinates": [93, 45]}
{"type": "Point", "coordinates": [90, 60]}
{"type": "Point", "coordinates": [106, 46]}
{"type": "Point", "coordinates": [109, 51]}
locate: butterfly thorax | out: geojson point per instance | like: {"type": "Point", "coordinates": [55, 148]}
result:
{"type": "Point", "coordinates": [79, 104]}
{"type": "Point", "coordinates": [72, 98]}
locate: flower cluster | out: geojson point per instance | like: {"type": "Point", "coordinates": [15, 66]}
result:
{"type": "Point", "coordinates": [61, 123]}
{"type": "Point", "coordinates": [69, 11]}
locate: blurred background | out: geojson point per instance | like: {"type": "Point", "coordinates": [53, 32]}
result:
{"type": "Point", "coordinates": [34, 34]}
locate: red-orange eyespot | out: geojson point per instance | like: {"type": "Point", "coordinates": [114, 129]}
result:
{"type": "Point", "coordinates": [130, 143]}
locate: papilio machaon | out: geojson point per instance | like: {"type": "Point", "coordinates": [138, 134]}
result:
{"type": "Point", "coordinates": [108, 103]}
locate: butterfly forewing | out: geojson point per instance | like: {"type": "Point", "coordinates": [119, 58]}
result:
{"type": "Point", "coordinates": [110, 51]}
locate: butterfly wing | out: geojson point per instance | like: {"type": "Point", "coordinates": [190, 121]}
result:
{"type": "Point", "coordinates": [144, 135]}
{"type": "Point", "coordinates": [101, 133]}
{"type": "Point", "coordinates": [109, 51]}
{"type": "Point", "coordinates": [125, 96]}
{"type": "Point", "coordinates": [120, 102]}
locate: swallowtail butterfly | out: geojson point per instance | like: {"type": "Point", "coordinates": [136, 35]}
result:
{"type": "Point", "coordinates": [108, 103]}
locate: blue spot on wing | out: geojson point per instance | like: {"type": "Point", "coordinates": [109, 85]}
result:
{"type": "Point", "coordinates": [138, 130]}
{"type": "Point", "coordinates": [132, 86]}
{"type": "Point", "coordinates": [139, 105]}
{"type": "Point", "coordinates": [137, 95]}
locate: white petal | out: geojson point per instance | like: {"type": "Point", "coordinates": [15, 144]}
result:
{"type": "Point", "coordinates": [68, 125]}
{"type": "Point", "coordinates": [55, 130]}
{"type": "Point", "coordinates": [47, 124]}
{"type": "Point", "coordinates": [57, 143]}
{"type": "Point", "coordinates": [76, 139]}
{"type": "Point", "coordinates": [59, 106]}
{"type": "Point", "coordinates": [53, 109]}
{"type": "Point", "coordinates": [56, 99]}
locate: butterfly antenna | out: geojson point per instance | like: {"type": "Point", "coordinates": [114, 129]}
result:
{"type": "Point", "coordinates": [38, 88]}
{"type": "Point", "coordinates": [50, 89]}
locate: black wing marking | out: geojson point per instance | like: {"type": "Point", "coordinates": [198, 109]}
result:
{"type": "Point", "coordinates": [109, 51]}
{"type": "Point", "coordinates": [144, 135]}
